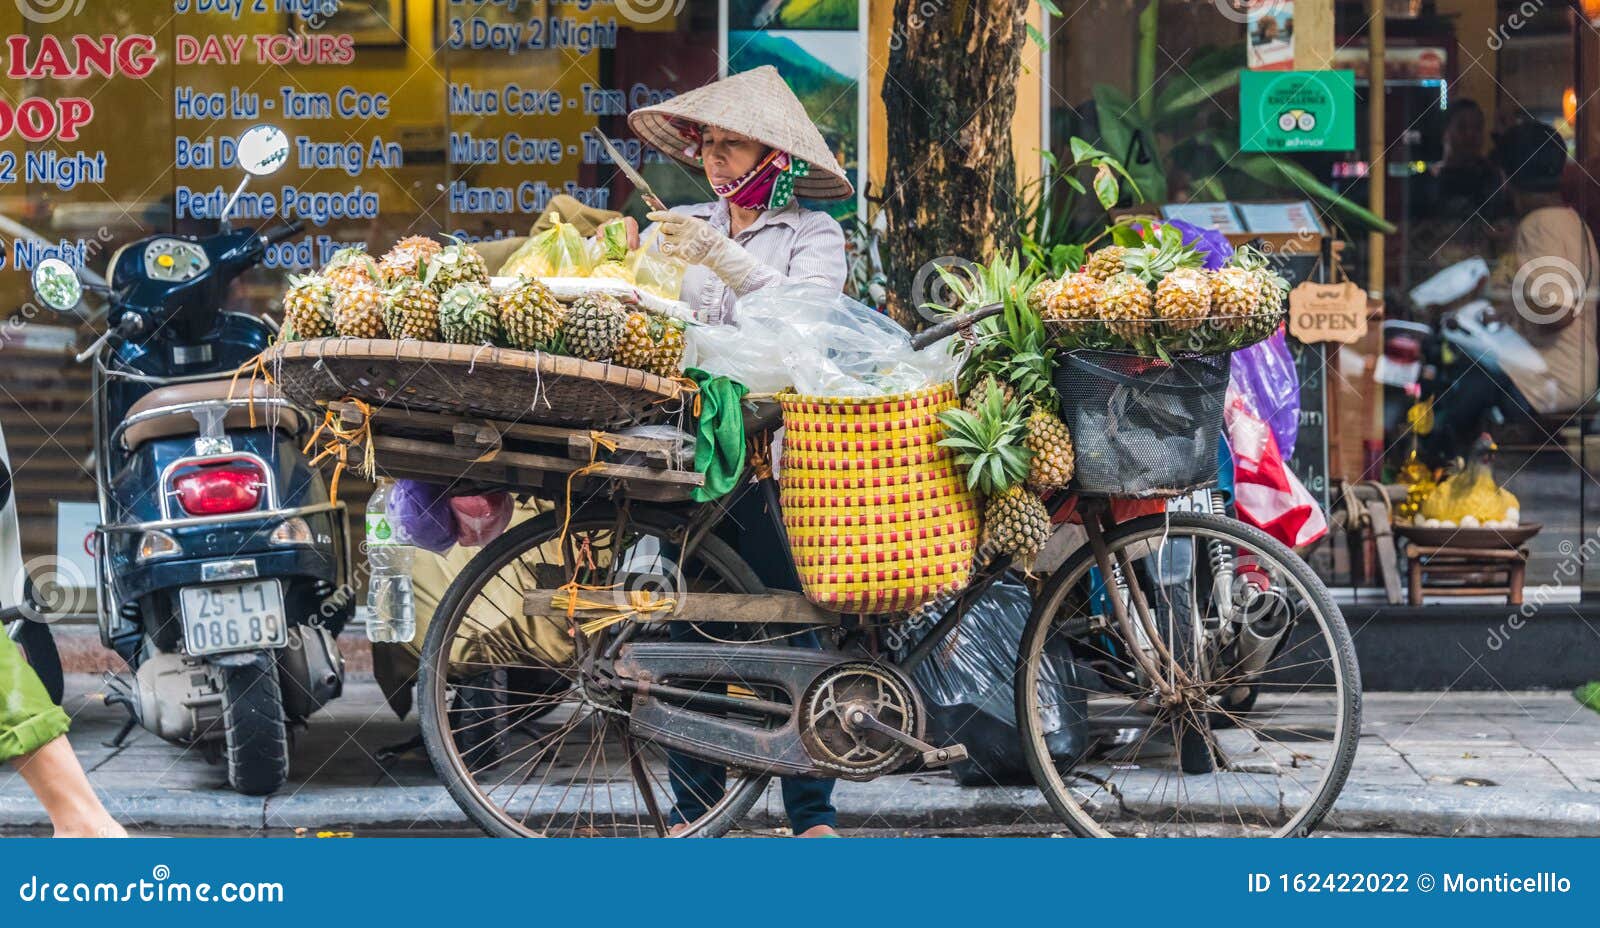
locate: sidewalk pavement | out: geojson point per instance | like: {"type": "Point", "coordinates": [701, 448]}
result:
{"type": "Point", "coordinates": [1429, 764]}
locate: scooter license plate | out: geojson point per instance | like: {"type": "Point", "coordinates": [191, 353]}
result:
{"type": "Point", "coordinates": [234, 617]}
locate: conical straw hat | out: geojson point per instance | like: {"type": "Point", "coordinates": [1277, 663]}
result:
{"type": "Point", "coordinates": [759, 105]}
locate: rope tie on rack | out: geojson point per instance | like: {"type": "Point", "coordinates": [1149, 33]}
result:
{"type": "Point", "coordinates": [642, 605]}
{"type": "Point", "coordinates": [337, 445]}
{"type": "Point", "coordinates": [258, 369]}
{"type": "Point", "coordinates": [597, 440]}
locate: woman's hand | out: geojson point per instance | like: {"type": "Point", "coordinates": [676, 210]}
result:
{"type": "Point", "coordinates": [696, 242]}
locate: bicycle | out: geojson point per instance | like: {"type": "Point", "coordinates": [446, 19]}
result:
{"type": "Point", "coordinates": [1207, 667]}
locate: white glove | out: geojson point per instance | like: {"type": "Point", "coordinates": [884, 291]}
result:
{"type": "Point", "coordinates": [695, 241]}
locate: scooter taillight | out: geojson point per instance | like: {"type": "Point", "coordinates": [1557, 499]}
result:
{"type": "Point", "coordinates": [214, 491]}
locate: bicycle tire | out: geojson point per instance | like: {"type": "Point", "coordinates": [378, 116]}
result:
{"type": "Point", "coordinates": [1336, 635]}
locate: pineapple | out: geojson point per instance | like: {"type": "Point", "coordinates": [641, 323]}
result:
{"type": "Point", "coordinates": [1047, 439]}
{"type": "Point", "coordinates": [1105, 263]}
{"type": "Point", "coordinates": [1015, 522]}
{"type": "Point", "coordinates": [1076, 299]}
{"type": "Point", "coordinates": [1041, 293]}
{"type": "Point", "coordinates": [358, 311]}
{"type": "Point", "coordinates": [350, 266]}
{"type": "Point", "coordinates": [668, 358]}
{"type": "Point", "coordinates": [423, 246]}
{"type": "Point", "coordinates": [411, 310]}
{"type": "Point", "coordinates": [1235, 296]}
{"type": "Point", "coordinates": [980, 390]}
{"type": "Point", "coordinates": [307, 308]}
{"type": "Point", "coordinates": [1183, 298]}
{"type": "Point", "coordinates": [637, 348]}
{"type": "Point", "coordinates": [990, 444]}
{"type": "Point", "coordinates": [1126, 304]}
{"type": "Point", "coordinates": [530, 315]}
{"type": "Point", "coordinates": [397, 265]}
{"type": "Point", "coordinates": [459, 263]}
{"type": "Point", "coordinates": [467, 315]}
{"type": "Point", "coordinates": [593, 326]}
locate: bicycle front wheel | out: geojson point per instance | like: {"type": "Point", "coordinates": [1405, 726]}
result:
{"type": "Point", "coordinates": [1233, 709]}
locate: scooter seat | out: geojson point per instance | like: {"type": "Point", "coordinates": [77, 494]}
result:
{"type": "Point", "coordinates": [168, 417]}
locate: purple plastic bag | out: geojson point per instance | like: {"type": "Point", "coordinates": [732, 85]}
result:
{"type": "Point", "coordinates": [422, 512]}
{"type": "Point", "coordinates": [1265, 375]}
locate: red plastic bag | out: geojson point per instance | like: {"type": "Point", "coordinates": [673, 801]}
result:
{"type": "Point", "coordinates": [481, 518]}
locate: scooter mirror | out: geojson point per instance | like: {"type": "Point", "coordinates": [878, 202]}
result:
{"type": "Point", "coordinates": [56, 285]}
{"type": "Point", "coordinates": [263, 149]}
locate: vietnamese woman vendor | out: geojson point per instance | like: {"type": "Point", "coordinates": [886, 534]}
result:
{"type": "Point", "coordinates": [760, 152]}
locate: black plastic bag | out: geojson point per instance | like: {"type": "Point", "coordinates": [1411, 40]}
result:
{"type": "Point", "coordinates": [967, 688]}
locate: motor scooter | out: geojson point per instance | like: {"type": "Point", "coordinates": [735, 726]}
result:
{"type": "Point", "coordinates": [223, 567]}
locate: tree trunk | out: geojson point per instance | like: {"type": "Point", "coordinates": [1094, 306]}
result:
{"type": "Point", "coordinates": [950, 94]}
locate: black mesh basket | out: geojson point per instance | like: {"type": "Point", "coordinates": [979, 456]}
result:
{"type": "Point", "coordinates": [1142, 426]}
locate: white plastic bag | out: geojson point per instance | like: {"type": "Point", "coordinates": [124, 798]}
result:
{"type": "Point", "coordinates": [819, 342]}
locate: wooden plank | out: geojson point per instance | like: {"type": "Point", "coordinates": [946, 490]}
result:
{"type": "Point", "coordinates": [774, 608]}
{"type": "Point", "coordinates": [537, 462]}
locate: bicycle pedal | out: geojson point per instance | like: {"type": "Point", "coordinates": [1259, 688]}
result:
{"type": "Point", "coordinates": [939, 757]}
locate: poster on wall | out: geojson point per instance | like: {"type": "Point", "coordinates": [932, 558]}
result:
{"type": "Point", "coordinates": [816, 46]}
{"type": "Point", "coordinates": [744, 15]}
{"type": "Point", "coordinates": [1270, 35]}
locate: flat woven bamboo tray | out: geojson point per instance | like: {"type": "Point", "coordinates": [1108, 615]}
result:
{"type": "Point", "coordinates": [494, 383]}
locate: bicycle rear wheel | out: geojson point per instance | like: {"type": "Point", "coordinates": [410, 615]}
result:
{"type": "Point", "coordinates": [1249, 723]}
{"type": "Point", "coordinates": [553, 757]}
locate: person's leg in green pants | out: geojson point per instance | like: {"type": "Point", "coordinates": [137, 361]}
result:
{"type": "Point", "coordinates": [33, 737]}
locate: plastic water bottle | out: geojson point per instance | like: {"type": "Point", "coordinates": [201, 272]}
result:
{"type": "Point", "coordinates": [391, 615]}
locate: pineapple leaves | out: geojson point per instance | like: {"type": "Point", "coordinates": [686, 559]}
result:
{"type": "Point", "coordinates": [989, 443]}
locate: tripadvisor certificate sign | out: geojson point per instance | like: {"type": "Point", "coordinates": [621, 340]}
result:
{"type": "Point", "coordinates": [1297, 111]}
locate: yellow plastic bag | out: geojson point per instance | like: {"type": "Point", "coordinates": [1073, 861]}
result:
{"type": "Point", "coordinates": [654, 272]}
{"type": "Point", "coordinates": [559, 251]}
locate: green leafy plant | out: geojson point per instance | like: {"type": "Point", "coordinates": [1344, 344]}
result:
{"type": "Point", "coordinates": [1057, 225]}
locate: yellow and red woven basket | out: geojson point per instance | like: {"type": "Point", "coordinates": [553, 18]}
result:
{"type": "Point", "coordinates": [879, 516]}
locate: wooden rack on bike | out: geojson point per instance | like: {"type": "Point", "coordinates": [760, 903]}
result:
{"type": "Point", "coordinates": [518, 456]}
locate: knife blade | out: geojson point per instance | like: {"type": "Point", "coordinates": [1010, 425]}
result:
{"type": "Point", "coordinates": [633, 176]}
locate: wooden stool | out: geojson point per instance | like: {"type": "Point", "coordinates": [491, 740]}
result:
{"type": "Point", "coordinates": [1446, 571]}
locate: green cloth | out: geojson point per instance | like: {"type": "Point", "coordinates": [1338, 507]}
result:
{"type": "Point", "coordinates": [28, 719]}
{"type": "Point", "coordinates": [719, 434]}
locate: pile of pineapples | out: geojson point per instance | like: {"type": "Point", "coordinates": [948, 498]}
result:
{"type": "Point", "coordinates": [1157, 298]}
{"type": "Point", "coordinates": [1009, 434]}
{"type": "Point", "coordinates": [430, 291]}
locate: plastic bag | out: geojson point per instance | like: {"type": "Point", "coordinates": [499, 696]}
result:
{"type": "Point", "coordinates": [558, 251]}
{"type": "Point", "coordinates": [818, 341]}
{"type": "Point", "coordinates": [480, 518]}
{"type": "Point", "coordinates": [653, 271]}
{"type": "Point", "coordinates": [1265, 374]}
{"type": "Point", "coordinates": [608, 252]}
{"type": "Point", "coordinates": [422, 511]}
{"type": "Point", "coordinates": [967, 687]}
